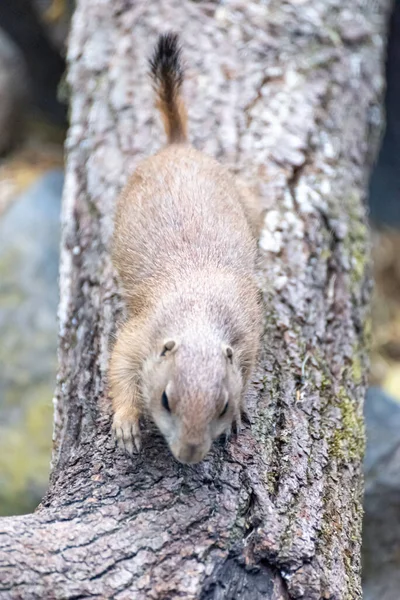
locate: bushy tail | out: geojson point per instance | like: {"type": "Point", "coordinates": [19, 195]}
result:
{"type": "Point", "coordinates": [167, 73]}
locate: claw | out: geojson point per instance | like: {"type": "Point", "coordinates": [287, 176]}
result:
{"type": "Point", "coordinates": [237, 424]}
{"type": "Point", "coordinates": [127, 435]}
{"type": "Point", "coordinates": [245, 416]}
{"type": "Point", "coordinates": [225, 437]}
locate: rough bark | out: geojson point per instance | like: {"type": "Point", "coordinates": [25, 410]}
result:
{"type": "Point", "coordinates": [288, 94]}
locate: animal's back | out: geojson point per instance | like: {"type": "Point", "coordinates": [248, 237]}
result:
{"type": "Point", "coordinates": [180, 212]}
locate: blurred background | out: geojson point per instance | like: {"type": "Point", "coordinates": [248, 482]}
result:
{"type": "Point", "coordinates": [33, 122]}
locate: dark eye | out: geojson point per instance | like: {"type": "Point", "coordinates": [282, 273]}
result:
{"type": "Point", "coordinates": [224, 410]}
{"type": "Point", "coordinates": [164, 402]}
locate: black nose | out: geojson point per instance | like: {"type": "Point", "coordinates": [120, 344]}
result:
{"type": "Point", "coordinates": [189, 454]}
{"type": "Point", "coordinates": [191, 451]}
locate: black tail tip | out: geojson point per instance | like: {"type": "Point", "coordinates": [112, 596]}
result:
{"type": "Point", "coordinates": [166, 59]}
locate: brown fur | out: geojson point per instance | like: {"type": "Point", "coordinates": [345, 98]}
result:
{"type": "Point", "coordinates": [185, 251]}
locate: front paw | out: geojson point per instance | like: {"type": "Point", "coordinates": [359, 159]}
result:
{"type": "Point", "coordinates": [237, 424]}
{"type": "Point", "coordinates": [127, 434]}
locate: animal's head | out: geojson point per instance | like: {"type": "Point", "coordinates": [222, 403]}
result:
{"type": "Point", "coordinates": [193, 391]}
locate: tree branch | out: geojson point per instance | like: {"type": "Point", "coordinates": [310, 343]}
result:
{"type": "Point", "coordinates": [288, 94]}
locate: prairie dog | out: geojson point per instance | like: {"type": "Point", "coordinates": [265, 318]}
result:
{"type": "Point", "coordinates": [184, 247]}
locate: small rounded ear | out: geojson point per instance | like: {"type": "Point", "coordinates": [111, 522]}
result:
{"type": "Point", "coordinates": [228, 352]}
{"type": "Point", "coordinates": [168, 346]}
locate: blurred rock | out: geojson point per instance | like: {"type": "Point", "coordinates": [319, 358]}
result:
{"type": "Point", "coordinates": [382, 419]}
{"type": "Point", "coordinates": [381, 535]}
{"type": "Point", "coordinates": [385, 350]}
{"type": "Point", "coordinates": [29, 255]}
{"type": "Point", "coordinates": [56, 16]}
{"type": "Point", "coordinates": [44, 63]}
{"type": "Point", "coordinates": [24, 166]}
{"type": "Point", "coordinates": [13, 92]}
{"type": "Point", "coordinates": [384, 196]}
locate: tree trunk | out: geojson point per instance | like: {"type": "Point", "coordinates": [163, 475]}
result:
{"type": "Point", "coordinates": [288, 94]}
